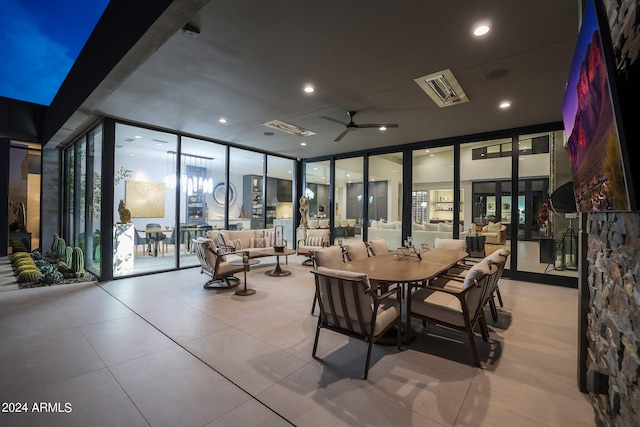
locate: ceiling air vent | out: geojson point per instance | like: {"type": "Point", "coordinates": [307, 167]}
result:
{"type": "Point", "coordinates": [289, 128]}
{"type": "Point", "coordinates": [443, 88]}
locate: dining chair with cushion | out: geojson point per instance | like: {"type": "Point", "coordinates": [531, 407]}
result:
{"type": "Point", "coordinates": [329, 257]}
{"type": "Point", "coordinates": [356, 251]}
{"type": "Point", "coordinates": [378, 246]}
{"type": "Point", "coordinates": [215, 264]}
{"type": "Point", "coordinates": [139, 240]}
{"type": "Point", "coordinates": [348, 306]}
{"type": "Point", "coordinates": [170, 240]}
{"type": "Point", "coordinates": [155, 238]}
{"type": "Point", "coordinates": [500, 257]}
{"type": "Point", "coordinates": [456, 307]}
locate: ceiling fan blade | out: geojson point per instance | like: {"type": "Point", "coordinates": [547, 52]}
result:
{"type": "Point", "coordinates": [334, 120]}
{"type": "Point", "coordinates": [342, 135]}
{"type": "Point", "coordinates": [378, 125]}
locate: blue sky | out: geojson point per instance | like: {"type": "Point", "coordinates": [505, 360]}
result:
{"type": "Point", "coordinates": [39, 42]}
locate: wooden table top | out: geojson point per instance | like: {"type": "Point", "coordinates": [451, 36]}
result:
{"type": "Point", "coordinates": [384, 268]}
{"type": "Point", "coordinates": [272, 252]}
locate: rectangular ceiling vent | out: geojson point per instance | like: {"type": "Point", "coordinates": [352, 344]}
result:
{"type": "Point", "coordinates": [289, 128]}
{"type": "Point", "coordinates": [443, 88]}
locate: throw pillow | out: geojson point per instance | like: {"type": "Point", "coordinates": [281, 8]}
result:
{"type": "Point", "coordinates": [258, 242]}
{"type": "Point", "coordinates": [270, 238]}
{"type": "Point", "coordinates": [430, 227]}
{"type": "Point", "coordinates": [491, 227]}
{"type": "Point", "coordinates": [445, 227]}
{"type": "Point", "coordinates": [237, 244]}
{"type": "Point", "coordinates": [225, 244]}
{"type": "Point", "coordinates": [315, 241]}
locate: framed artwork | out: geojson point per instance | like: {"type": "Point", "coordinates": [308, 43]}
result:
{"type": "Point", "coordinates": [145, 199]}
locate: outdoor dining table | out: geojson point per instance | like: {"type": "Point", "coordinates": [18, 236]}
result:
{"type": "Point", "coordinates": [405, 270]}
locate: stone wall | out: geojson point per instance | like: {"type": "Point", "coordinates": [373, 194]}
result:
{"type": "Point", "coordinates": [613, 329]}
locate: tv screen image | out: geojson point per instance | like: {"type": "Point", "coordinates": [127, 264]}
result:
{"type": "Point", "coordinates": [590, 124]}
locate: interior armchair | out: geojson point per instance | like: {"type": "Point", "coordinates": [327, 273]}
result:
{"type": "Point", "coordinates": [349, 306]}
{"type": "Point", "coordinates": [214, 263]}
{"type": "Point", "coordinates": [495, 233]}
{"type": "Point", "coordinates": [316, 239]}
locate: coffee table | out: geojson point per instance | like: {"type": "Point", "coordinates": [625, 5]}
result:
{"type": "Point", "coordinates": [244, 291]}
{"type": "Point", "coordinates": [277, 271]}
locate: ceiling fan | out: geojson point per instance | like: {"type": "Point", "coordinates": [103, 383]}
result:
{"type": "Point", "coordinates": [351, 126]}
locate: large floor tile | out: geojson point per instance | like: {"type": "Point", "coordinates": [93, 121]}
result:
{"type": "Point", "coordinates": [173, 388]}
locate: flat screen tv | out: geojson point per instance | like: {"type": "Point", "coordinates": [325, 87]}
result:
{"type": "Point", "coordinates": [601, 176]}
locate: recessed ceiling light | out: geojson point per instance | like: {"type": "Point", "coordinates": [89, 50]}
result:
{"type": "Point", "coordinates": [427, 151]}
{"type": "Point", "coordinates": [383, 128]}
{"type": "Point", "coordinates": [303, 143]}
{"type": "Point", "coordinates": [222, 120]}
{"type": "Point", "coordinates": [431, 155]}
{"type": "Point", "coordinates": [481, 30]}
{"type": "Point", "coordinates": [309, 89]}
{"type": "Point", "coordinates": [505, 104]}
{"type": "Point", "coordinates": [137, 137]}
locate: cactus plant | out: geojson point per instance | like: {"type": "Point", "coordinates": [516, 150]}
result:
{"type": "Point", "coordinates": [65, 270]}
{"type": "Point", "coordinates": [61, 250]}
{"type": "Point", "coordinates": [68, 255]}
{"type": "Point", "coordinates": [36, 254]}
{"type": "Point", "coordinates": [77, 262]}
{"type": "Point", "coordinates": [25, 268]}
{"type": "Point", "coordinates": [29, 276]}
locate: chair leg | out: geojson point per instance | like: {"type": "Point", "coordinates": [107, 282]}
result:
{"type": "Point", "coordinates": [499, 296]}
{"type": "Point", "coordinates": [472, 342]}
{"type": "Point", "coordinates": [484, 330]}
{"type": "Point", "coordinates": [366, 367]}
{"type": "Point", "coordinates": [315, 343]}
{"type": "Point", "coordinates": [313, 307]}
{"type": "Point", "coordinates": [494, 310]}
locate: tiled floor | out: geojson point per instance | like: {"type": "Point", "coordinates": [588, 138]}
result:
{"type": "Point", "coordinates": [160, 350]}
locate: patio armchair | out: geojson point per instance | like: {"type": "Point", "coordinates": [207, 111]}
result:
{"type": "Point", "coordinates": [214, 263]}
{"type": "Point", "coordinates": [316, 239]}
{"type": "Point", "coordinates": [348, 306]}
{"type": "Point", "coordinates": [458, 307]}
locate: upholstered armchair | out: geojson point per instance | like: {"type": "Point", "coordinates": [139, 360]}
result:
{"type": "Point", "coordinates": [317, 238]}
{"type": "Point", "coordinates": [214, 263]}
{"type": "Point", "coordinates": [495, 234]}
{"type": "Point", "coordinates": [348, 306]}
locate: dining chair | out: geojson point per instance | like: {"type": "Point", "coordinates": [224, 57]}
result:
{"type": "Point", "coordinates": [330, 257]}
{"type": "Point", "coordinates": [170, 240]}
{"type": "Point", "coordinates": [356, 251]}
{"type": "Point", "coordinates": [155, 238]}
{"type": "Point", "coordinates": [348, 306]}
{"type": "Point", "coordinates": [139, 240]}
{"type": "Point", "coordinates": [378, 246]}
{"type": "Point", "coordinates": [460, 309]}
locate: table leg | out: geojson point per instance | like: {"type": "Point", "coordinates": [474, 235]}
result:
{"type": "Point", "coordinates": [277, 271]}
{"type": "Point", "coordinates": [244, 291]}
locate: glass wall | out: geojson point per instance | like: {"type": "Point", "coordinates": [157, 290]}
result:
{"type": "Point", "coordinates": [348, 206]}
{"type": "Point", "coordinates": [246, 170]}
{"type": "Point", "coordinates": [316, 190]}
{"type": "Point", "coordinates": [92, 250]}
{"type": "Point", "coordinates": [432, 197]}
{"type": "Point", "coordinates": [144, 169]}
{"type": "Point", "coordinates": [280, 195]}
{"type": "Point", "coordinates": [203, 195]}
{"type": "Point", "coordinates": [384, 198]}
{"type": "Point", "coordinates": [24, 193]}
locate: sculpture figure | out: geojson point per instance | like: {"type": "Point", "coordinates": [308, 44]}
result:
{"type": "Point", "coordinates": [19, 216]}
{"type": "Point", "coordinates": [125, 214]}
{"type": "Point", "coordinates": [304, 210]}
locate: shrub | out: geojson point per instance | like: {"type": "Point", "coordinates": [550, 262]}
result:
{"type": "Point", "coordinates": [50, 274]}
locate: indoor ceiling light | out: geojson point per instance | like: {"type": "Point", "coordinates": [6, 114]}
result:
{"type": "Point", "coordinates": [289, 128]}
{"type": "Point", "coordinates": [383, 128]}
{"type": "Point", "coordinates": [222, 120]}
{"type": "Point", "coordinates": [443, 88]}
{"type": "Point", "coordinates": [481, 30]}
{"type": "Point", "coordinates": [309, 89]}
{"type": "Point", "coordinates": [505, 104]}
